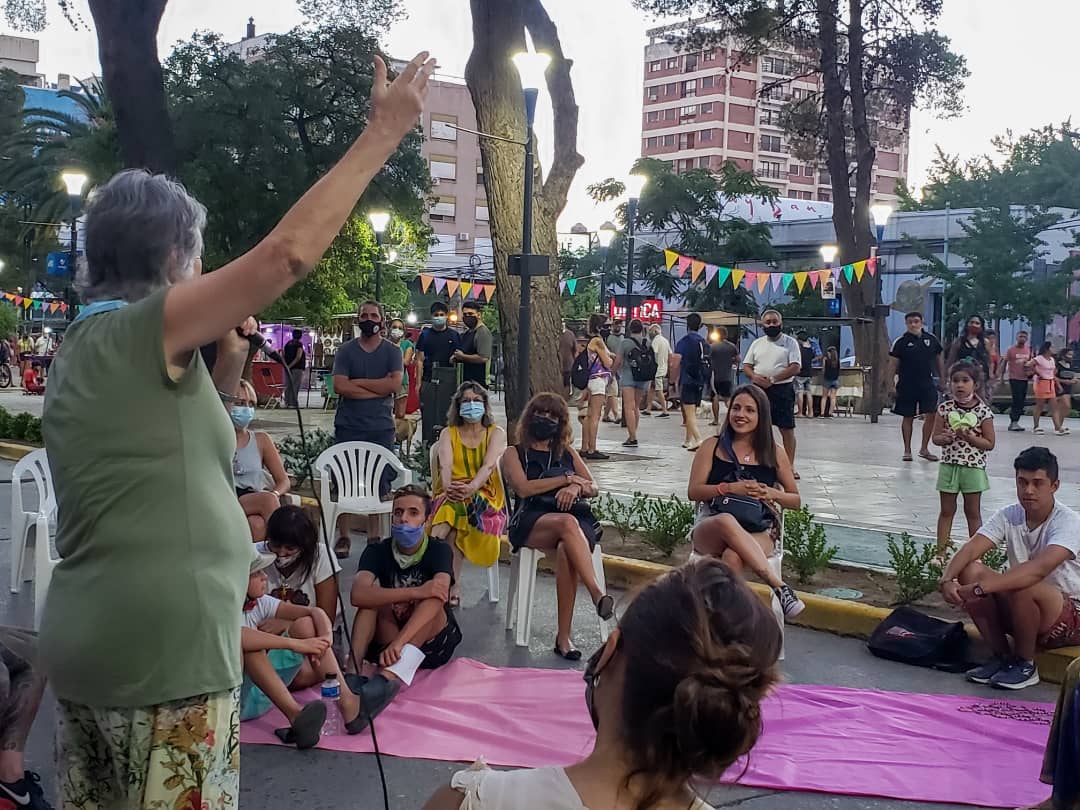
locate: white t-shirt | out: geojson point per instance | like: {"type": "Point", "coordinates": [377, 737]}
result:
{"type": "Point", "coordinates": [662, 349]}
{"type": "Point", "coordinates": [528, 789]}
{"type": "Point", "coordinates": [769, 357]}
{"type": "Point", "coordinates": [280, 586]}
{"type": "Point", "coordinates": [1009, 527]}
{"type": "Point", "coordinates": [265, 608]}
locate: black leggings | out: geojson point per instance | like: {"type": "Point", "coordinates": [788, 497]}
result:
{"type": "Point", "coordinates": [1019, 397]}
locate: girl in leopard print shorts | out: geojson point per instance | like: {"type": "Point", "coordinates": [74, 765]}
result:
{"type": "Point", "coordinates": [964, 427]}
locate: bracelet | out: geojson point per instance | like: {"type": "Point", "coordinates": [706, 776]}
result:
{"type": "Point", "coordinates": [227, 397]}
{"type": "Point", "coordinates": [721, 489]}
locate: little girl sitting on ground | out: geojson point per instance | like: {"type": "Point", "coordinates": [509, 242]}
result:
{"type": "Point", "coordinates": [965, 429]}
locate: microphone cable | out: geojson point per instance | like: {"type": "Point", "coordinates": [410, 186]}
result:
{"type": "Point", "coordinates": [290, 388]}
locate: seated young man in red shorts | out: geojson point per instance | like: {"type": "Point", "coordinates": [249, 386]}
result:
{"type": "Point", "coordinates": [1037, 600]}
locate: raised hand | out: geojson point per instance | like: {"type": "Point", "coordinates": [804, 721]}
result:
{"type": "Point", "coordinates": [396, 106]}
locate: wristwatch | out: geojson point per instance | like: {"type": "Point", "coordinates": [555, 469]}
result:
{"type": "Point", "coordinates": [978, 591]}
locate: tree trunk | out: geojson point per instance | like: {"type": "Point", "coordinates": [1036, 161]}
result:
{"type": "Point", "coordinates": [127, 47]}
{"type": "Point", "coordinates": [498, 33]}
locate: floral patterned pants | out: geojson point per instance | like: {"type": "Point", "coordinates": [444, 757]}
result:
{"type": "Point", "coordinates": [181, 755]}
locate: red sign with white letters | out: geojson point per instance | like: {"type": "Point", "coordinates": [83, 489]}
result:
{"type": "Point", "coordinates": [650, 311]}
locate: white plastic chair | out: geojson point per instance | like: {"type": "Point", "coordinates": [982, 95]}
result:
{"type": "Point", "coordinates": [36, 466]}
{"type": "Point", "coordinates": [493, 569]}
{"type": "Point", "coordinates": [356, 468]}
{"type": "Point", "coordinates": [523, 589]}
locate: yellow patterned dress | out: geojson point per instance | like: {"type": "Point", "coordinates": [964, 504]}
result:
{"type": "Point", "coordinates": [480, 521]}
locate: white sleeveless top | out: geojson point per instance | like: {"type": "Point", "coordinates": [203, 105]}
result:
{"type": "Point", "coordinates": [530, 789]}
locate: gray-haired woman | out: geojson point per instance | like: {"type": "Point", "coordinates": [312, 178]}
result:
{"type": "Point", "coordinates": [141, 631]}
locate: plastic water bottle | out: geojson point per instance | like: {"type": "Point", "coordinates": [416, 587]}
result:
{"type": "Point", "coordinates": [331, 691]}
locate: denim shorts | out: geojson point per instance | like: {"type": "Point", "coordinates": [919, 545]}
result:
{"type": "Point", "coordinates": [802, 385]}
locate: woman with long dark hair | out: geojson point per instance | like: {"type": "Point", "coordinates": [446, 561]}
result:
{"type": "Point", "coordinates": [600, 363]}
{"type": "Point", "coordinates": [972, 347]}
{"type": "Point", "coordinates": [303, 572]}
{"type": "Point", "coordinates": [1044, 365]}
{"type": "Point", "coordinates": [553, 515]}
{"type": "Point", "coordinates": [741, 480]}
{"type": "Point", "coordinates": [830, 369]}
{"type": "Point", "coordinates": [675, 695]}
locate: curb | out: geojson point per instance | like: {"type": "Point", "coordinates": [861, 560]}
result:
{"type": "Point", "coordinates": [822, 613]}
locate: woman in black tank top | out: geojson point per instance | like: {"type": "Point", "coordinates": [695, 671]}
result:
{"type": "Point", "coordinates": [736, 471]}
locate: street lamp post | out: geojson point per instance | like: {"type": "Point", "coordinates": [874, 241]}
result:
{"type": "Point", "coordinates": [531, 67]}
{"type": "Point", "coordinates": [604, 238]}
{"type": "Point", "coordinates": [880, 213]}
{"type": "Point", "coordinates": [635, 183]}
{"type": "Point", "coordinates": [74, 181]}
{"type": "Point", "coordinates": [379, 221]}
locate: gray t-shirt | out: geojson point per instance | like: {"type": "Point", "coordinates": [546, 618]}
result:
{"type": "Point", "coordinates": [722, 356]}
{"type": "Point", "coordinates": [626, 376]}
{"type": "Point", "coordinates": [353, 362]}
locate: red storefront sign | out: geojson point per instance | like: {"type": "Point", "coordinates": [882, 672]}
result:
{"type": "Point", "coordinates": [650, 311]}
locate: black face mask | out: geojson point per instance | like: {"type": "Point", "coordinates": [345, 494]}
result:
{"type": "Point", "coordinates": [369, 328]}
{"type": "Point", "coordinates": [543, 427]}
{"type": "Point", "coordinates": [470, 321]}
{"type": "Point", "coordinates": [605, 331]}
{"type": "Point", "coordinates": [773, 331]}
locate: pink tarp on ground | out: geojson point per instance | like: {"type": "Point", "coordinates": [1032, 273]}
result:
{"type": "Point", "coordinates": [936, 748]}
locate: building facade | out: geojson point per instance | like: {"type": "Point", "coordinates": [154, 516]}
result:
{"type": "Point", "coordinates": [703, 108]}
{"type": "Point", "coordinates": [20, 54]}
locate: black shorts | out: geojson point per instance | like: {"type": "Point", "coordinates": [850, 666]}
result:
{"type": "Point", "coordinates": [437, 651]}
{"type": "Point", "coordinates": [722, 388]}
{"type": "Point", "coordinates": [782, 405]}
{"type": "Point", "coordinates": [912, 401]}
{"type": "Point", "coordinates": [690, 394]}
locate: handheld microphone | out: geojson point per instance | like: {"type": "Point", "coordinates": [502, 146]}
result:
{"type": "Point", "coordinates": [257, 341]}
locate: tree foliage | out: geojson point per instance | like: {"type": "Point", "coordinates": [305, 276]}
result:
{"type": "Point", "coordinates": [691, 211]}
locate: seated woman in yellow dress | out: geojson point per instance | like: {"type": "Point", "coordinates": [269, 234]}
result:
{"type": "Point", "coordinates": [470, 501]}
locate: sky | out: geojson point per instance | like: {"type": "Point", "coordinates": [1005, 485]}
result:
{"type": "Point", "coordinates": [1021, 57]}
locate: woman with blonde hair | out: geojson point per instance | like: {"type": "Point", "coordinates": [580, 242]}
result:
{"type": "Point", "coordinates": [469, 509]}
{"type": "Point", "coordinates": [255, 456]}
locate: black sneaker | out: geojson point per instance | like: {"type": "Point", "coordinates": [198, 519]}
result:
{"type": "Point", "coordinates": [596, 455]}
{"type": "Point", "coordinates": [375, 695]}
{"type": "Point", "coordinates": [630, 443]}
{"type": "Point", "coordinates": [1016, 427]}
{"type": "Point", "coordinates": [26, 793]}
{"type": "Point", "coordinates": [663, 415]}
{"type": "Point", "coordinates": [790, 603]}
{"type": "Point", "coordinates": [983, 674]}
{"type": "Point", "coordinates": [1017, 674]}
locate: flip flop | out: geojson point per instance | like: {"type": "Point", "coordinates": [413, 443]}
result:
{"type": "Point", "coordinates": [796, 475]}
{"type": "Point", "coordinates": [928, 456]}
{"type": "Point", "coordinates": [570, 655]}
{"type": "Point", "coordinates": [907, 457]}
{"type": "Point", "coordinates": [454, 601]}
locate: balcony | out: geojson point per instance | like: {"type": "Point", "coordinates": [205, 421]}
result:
{"type": "Point", "coordinates": [770, 174]}
{"type": "Point", "coordinates": [769, 121]}
{"type": "Point", "coordinates": [782, 149]}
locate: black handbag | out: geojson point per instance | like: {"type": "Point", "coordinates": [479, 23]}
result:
{"type": "Point", "coordinates": [911, 637]}
{"type": "Point", "coordinates": [753, 514]}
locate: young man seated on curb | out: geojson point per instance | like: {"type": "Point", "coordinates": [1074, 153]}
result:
{"type": "Point", "coordinates": [286, 647]}
{"type": "Point", "coordinates": [1037, 600]}
{"type": "Point", "coordinates": [403, 622]}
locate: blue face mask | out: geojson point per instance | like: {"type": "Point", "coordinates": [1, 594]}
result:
{"type": "Point", "coordinates": [242, 415]}
{"type": "Point", "coordinates": [406, 536]}
{"type": "Point", "coordinates": [472, 411]}
{"type": "Point", "coordinates": [438, 321]}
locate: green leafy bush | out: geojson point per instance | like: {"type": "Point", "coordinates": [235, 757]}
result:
{"type": "Point", "coordinates": [20, 427]}
{"type": "Point", "coordinates": [419, 461]}
{"type": "Point", "coordinates": [298, 457]}
{"type": "Point", "coordinates": [805, 544]}
{"type": "Point", "coordinates": [623, 515]}
{"type": "Point", "coordinates": [665, 522]}
{"type": "Point", "coordinates": [918, 570]}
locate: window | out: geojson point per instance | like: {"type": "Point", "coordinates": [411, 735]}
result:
{"type": "Point", "coordinates": [706, 135]}
{"type": "Point", "coordinates": [706, 108]}
{"type": "Point", "coordinates": [709, 56]}
{"type": "Point", "coordinates": [703, 163]}
{"type": "Point", "coordinates": [688, 112]}
{"type": "Point", "coordinates": [443, 210]}
{"type": "Point", "coordinates": [775, 93]}
{"type": "Point", "coordinates": [802, 195]}
{"type": "Point", "coordinates": [673, 63]}
{"type": "Point", "coordinates": [444, 167]}
{"type": "Point", "coordinates": [769, 143]}
{"type": "Point", "coordinates": [686, 140]}
{"type": "Point", "coordinates": [691, 62]}
{"type": "Point", "coordinates": [768, 168]}
{"type": "Point", "coordinates": [669, 140]}
{"type": "Point", "coordinates": [653, 93]}
{"type": "Point", "coordinates": [654, 67]}
{"type": "Point", "coordinates": [653, 117]}
{"type": "Point", "coordinates": [652, 143]}
{"type": "Point", "coordinates": [824, 196]}
{"type": "Point", "coordinates": [670, 89]}
{"type": "Point", "coordinates": [690, 88]}
{"type": "Point", "coordinates": [748, 137]}
{"type": "Point", "coordinates": [706, 81]}
{"type": "Point", "coordinates": [670, 114]}
{"type": "Point", "coordinates": [808, 171]}
{"type": "Point", "coordinates": [481, 212]}
{"type": "Point", "coordinates": [794, 169]}
{"type": "Point", "coordinates": [797, 93]}
{"type": "Point", "coordinates": [479, 173]}
{"type": "Point", "coordinates": [770, 118]}
{"type": "Point", "coordinates": [773, 64]}
{"type": "Point", "coordinates": [441, 128]}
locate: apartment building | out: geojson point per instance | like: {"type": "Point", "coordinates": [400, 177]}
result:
{"type": "Point", "coordinates": [705, 107]}
{"type": "Point", "coordinates": [20, 54]}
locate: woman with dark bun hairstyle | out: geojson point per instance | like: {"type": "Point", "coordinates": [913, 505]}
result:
{"type": "Point", "coordinates": [675, 694]}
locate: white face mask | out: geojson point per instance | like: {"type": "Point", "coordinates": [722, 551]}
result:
{"type": "Point", "coordinates": [286, 561]}
{"type": "Point", "coordinates": [397, 334]}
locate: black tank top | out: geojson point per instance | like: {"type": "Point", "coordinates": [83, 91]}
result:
{"type": "Point", "coordinates": [723, 471]}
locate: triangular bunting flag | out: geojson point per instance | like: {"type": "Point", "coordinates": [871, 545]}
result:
{"type": "Point", "coordinates": [425, 282]}
{"type": "Point", "coordinates": [696, 267]}
{"type": "Point", "coordinates": [871, 265]}
{"type": "Point", "coordinates": [562, 287]}
{"type": "Point", "coordinates": [710, 273]}
{"type": "Point", "coordinates": [571, 285]}
{"type": "Point", "coordinates": [27, 303]}
{"type": "Point", "coordinates": [440, 284]}
{"type": "Point", "coordinates": [684, 265]}
{"type": "Point", "coordinates": [776, 279]}
{"type": "Point", "coordinates": [725, 274]}
{"type": "Point", "coordinates": [860, 268]}
{"type": "Point", "coordinates": [749, 279]}
{"type": "Point", "coordinates": [814, 276]}
{"type": "Point", "coordinates": [837, 272]}
{"type": "Point", "coordinates": [64, 308]}
{"type": "Point", "coordinates": [38, 303]}
{"type": "Point", "coordinates": [800, 280]}
{"type": "Point", "coordinates": [762, 281]}
{"type": "Point", "coordinates": [848, 272]}
{"type": "Point", "coordinates": [53, 307]}
{"type": "Point", "coordinates": [9, 296]}
{"type": "Point", "coordinates": [670, 257]}
{"type": "Point", "coordinates": [18, 300]}
{"type": "Point", "coordinates": [465, 287]}
{"type": "Point", "coordinates": [787, 279]}
{"type": "Point", "coordinates": [452, 287]}
{"type": "Point", "coordinates": [736, 276]}
{"type": "Point", "coordinates": [489, 291]}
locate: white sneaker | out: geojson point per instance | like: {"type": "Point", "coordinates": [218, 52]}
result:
{"type": "Point", "coordinates": [1039, 431]}
{"type": "Point", "coordinates": [1061, 432]}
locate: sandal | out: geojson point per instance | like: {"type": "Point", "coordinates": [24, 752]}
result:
{"type": "Point", "coordinates": [454, 601]}
{"type": "Point", "coordinates": [796, 475]}
{"type": "Point", "coordinates": [570, 655]}
{"type": "Point", "coordinates": [605, 608]}
{"type": "Point", "coordinates": [342, 548]}
{"type": "Point", "coordinates": [907, 457]}
{"type": "Point", "coordinates": [926, 454]}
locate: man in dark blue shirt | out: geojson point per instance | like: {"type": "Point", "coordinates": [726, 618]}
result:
{"type": "Point", "coordinates": [692, 374]}
{"type": "Point", "coordinates": [435, 349]}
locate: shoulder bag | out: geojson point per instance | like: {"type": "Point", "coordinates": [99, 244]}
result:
{"type": "Point", "coordinates": [753, 514]}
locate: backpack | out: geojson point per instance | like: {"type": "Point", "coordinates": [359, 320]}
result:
{"type": "Point", "coordinates": [911, 637]}
{"type": "Point", "coordinates": [579, 372]}
{"type": "Point", "coordinates": [642, 361]}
